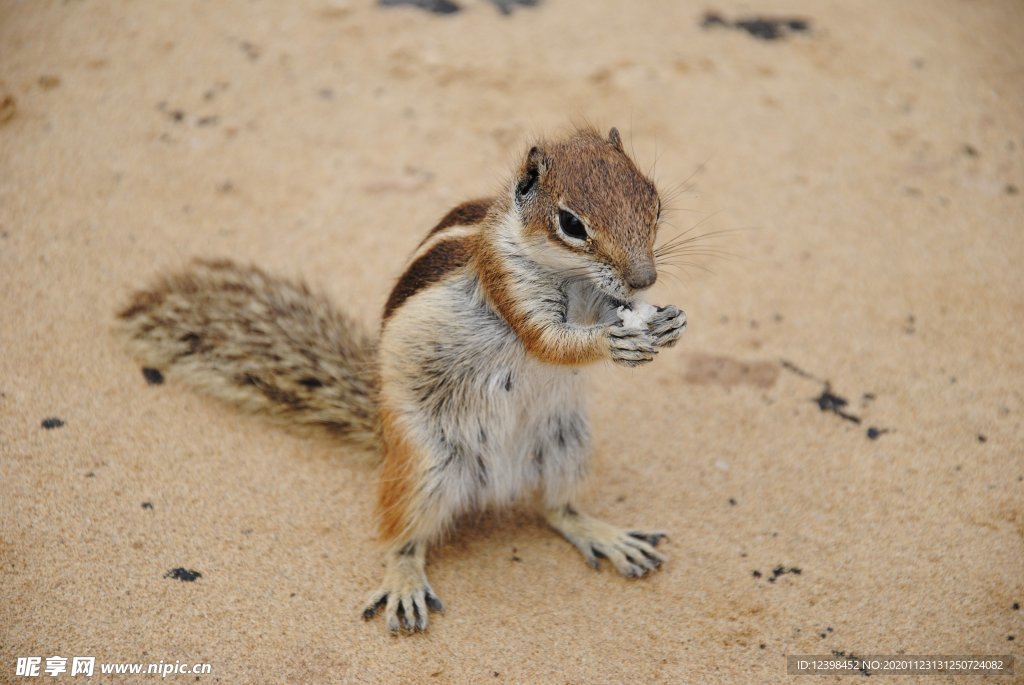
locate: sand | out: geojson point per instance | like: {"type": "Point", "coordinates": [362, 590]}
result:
{"type": "Point", "coordinates": [869, 171]}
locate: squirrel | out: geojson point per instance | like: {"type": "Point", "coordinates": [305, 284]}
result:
{"type": "Point", "coordinates": [471, 391]}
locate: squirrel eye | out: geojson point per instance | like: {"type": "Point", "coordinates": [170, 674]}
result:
{"type": "Point", "coordinates": [571, 225]}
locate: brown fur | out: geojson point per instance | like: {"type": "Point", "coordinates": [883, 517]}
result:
{"type": "Point", "coordinates": [395, 486]}
{"type": "Point", "coordinates": [596, 180]}
{"type": "Point", "coordinates": [621, 215]}
{"type": "Point", "coordinates": [466, 214]}
{"type": "Point", "coordinates": [429, 268]}
{"type": "Point", "coordinates": [496, 284]}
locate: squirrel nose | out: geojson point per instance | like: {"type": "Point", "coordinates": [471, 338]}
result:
{"type": "Point", "coordinates": [640, 276]}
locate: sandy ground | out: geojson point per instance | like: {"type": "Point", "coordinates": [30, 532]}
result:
{"type": "Point", "coordinates": [874, 166]}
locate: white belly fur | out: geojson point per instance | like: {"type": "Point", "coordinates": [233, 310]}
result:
{"type": "Point", "coordinates": [492, 423]}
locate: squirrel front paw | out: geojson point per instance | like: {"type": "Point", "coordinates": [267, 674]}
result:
{"type": "Point", "coordinates": [667, 325]}
{"type": "Point", "coordinates": [631, 346]}
{"type": "Point", "coordinates": [642, 332]}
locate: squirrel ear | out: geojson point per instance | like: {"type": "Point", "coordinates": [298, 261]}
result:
{"type": "Point", "coordinates": [614, 139]}
{"type": "Point", "coordinates": [533, 169]}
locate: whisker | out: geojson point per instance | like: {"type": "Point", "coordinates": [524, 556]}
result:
{"type": "Point", "coordinates": [685, 185]}
{"type": "Point", "coordinates": [700, 223]}
{"type": "Point", "coordinates": [695, 265]}
{"type": "Point", "coordinates": [672, 210]}
{"type": "Point", "coordinates": [682, 239]}
{"type": "Point", "coordinates": [720, 254]}
{"type": "Point", "coordinates": [657, 155]}
{"type": "Point", "coordinates": [673, 275]}
{"type": "Point", "coordinates": [689, 245]}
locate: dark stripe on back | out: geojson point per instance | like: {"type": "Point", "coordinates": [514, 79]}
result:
{"type": "Point", "coordinates": [466, 214]}
{"type": "Point", "coordinates": [430, 268]}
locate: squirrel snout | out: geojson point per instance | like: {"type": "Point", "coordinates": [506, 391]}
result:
{"type": "Point", "coordinates": [641, 276]}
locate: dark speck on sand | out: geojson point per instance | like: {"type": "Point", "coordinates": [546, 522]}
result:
{"type": "Point", "coordinates": [183, 574]}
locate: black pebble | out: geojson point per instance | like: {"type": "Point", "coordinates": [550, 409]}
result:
{"type": "Point", "coordinates": [435, 6]}
{"type": "Point", "coordinates": [147, 505]}
{"type": "Point", "coordinates": [829, 401]}
{"type": "Point", "coordinates": [982, 438]}
{"type": "Point", "coordinates": [758, 27]}
{"type": "Point", "coordinates": [873, 432]}
{"type": "Point", "coordinates": [761, 28]}
{"type": "Point", "coordinates": [183, 574]}
{"type": "Point", "coordinates": [756, 574]}
{"type": "Point", "coordinates": [52, 422]}
{"type": "Point", "coordinates": [781, 570]}
{"type": "Point", "coordinates": [1016, 606]}
{"type": "Point", "coordinates": [732, 501]}
{"type": "Point", "coordinates": [152, 376]}
{"type": "Point", "coordinates": [505, 6]}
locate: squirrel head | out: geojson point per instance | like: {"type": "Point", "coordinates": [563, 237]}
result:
{"type": "Point", "coordinates": [587, 211]}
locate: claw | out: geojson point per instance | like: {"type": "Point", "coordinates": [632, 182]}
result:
{"type": "Point", "coordinates": [404, 616]}
{"type": "Point", "coordinates": [374, 606]}
{"type": "Point", "coordinates": [654, 559]}
{"type": "Point", "coordinates": [644, 548]}
{"type": "Point", "coordinates": [393, 625]}
{"type": "Point", "coordinates": [651, 539]}
{"type": "Point", "coordinates": [434, 603]}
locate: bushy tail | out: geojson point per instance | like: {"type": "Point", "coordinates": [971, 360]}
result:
{"type": "Point", "coordinates": [265, 344]}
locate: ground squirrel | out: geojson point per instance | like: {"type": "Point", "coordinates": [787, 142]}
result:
{"type": "Point", "coordinates": [472, 392]}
